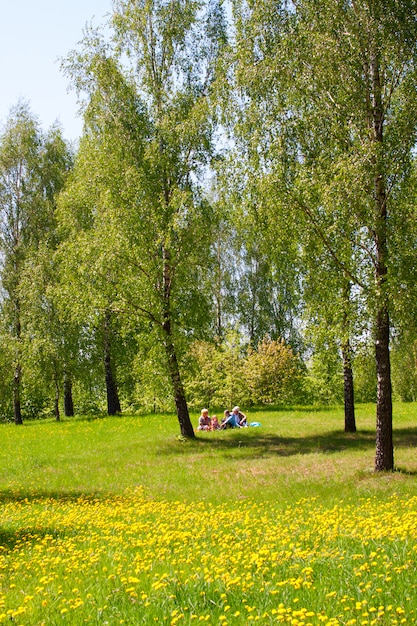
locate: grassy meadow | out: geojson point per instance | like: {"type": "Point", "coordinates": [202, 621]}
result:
{"type": "Point", "coordinates": [119, 521]}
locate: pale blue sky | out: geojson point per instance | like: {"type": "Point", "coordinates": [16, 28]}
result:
{"type": "Point", "coordinates": [34, 34]}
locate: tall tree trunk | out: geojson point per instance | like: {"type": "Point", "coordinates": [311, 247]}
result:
{"type": "Point", "coordinates": [68, 400]}
{"type": "Point", "coordinates": [350, 423]}
{"type": "Point", "coordinates": [17, 408]}
{"type": "Point", "coordinates": [179, 395]}
{"type": "Point", "coordinates": [218, 294]}
{"type": "Point", "coordinates": [348, 389]}
{"type": "Point", "coordinates": [384, 455]}
{"type": "Point", "coordinates": [113, 402]}
{"type": "Point", "coordinates": [219, 326]}
{"type": "Point", "coordinates": [56, 402]}
{"type": "Point", "coordinates": [178, 390]}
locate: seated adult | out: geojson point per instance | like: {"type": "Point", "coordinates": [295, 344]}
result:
{"type": "Point", "coordinates": [233, 419]}
{"type": "Point", "coordinates": [204, 421]}
{"type": "Point", "coordinates": [240, 417]}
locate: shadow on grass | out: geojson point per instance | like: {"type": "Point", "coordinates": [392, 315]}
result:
{"type": "Point", "coordinates": [10, 539]}
{"type": "Point", "coordinates": [40, 495]}
{"type": "Point", "coordinates": [255, 442]}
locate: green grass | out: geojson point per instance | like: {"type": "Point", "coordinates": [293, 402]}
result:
{"type": "Point", "coordinates": [118, 521]}
{"type": "Point", "coordinates": [294, 453]}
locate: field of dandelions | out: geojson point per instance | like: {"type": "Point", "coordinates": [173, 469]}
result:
{"type": "Point", "coordinates": [136, 557]}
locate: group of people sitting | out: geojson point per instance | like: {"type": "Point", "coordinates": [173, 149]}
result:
{"type": "Point", "coordinates": [231, 419]}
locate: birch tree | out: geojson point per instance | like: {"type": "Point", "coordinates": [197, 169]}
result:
{"type": "Point", "coordinates": [336, 86]}
{"type": "Point", "coordinates": [149, 138]}
{"type": "Point", "coordinates": [33, 167]}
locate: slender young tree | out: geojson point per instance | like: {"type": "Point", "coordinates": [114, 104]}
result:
{"type": "Point", "coordinates": [32, 171]}
{"type": "Point", "coordinates": [19, 150]}
{"type": "Point", "coordinates": [46, 337]}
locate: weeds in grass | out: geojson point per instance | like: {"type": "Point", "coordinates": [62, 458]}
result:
{"type": "Point", "coordinates": [132, 560]}
{"type": "Point", "coordinates": [117, 521]}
